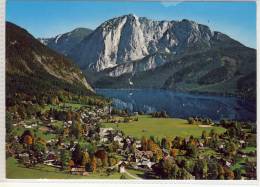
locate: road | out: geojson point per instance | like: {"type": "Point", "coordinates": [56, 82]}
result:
{"type": "Point", "coordinates": [126, 172]}
{"type": "Point", "coordinates": [130, 175]}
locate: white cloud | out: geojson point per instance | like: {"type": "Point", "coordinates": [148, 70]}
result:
{"type": "Point", "coordinates": [170, 3]}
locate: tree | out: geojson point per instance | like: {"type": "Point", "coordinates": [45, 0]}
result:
{"type": "Point", "coordinates": [177, 142]}
{"type": "Point", "coordinates": [111, 161]}
{"type": "Point", "coordinates": [155, 149]}
{"type": "Point", "coordinates": [17, 147]}
{"type": "Point", "coordinates": [144, 143]}
{"type": "Point", "coordinates": [201, 169]}
{"type": "Point", "coordinates": [166, 169]}
{"type": "Point", "coordinates": [64, 159]}
{"type": "Point", "coordinates": [102, 155]}
{"type": "Point", "coordinates": [85, 158]}
{"type": "Point", "coordinates": [168, 143]}
{"type": "Point", "coordinates": [221, 172]}
{"type": "Point", "coordinates": [212, 132]}
{"type": "Point", "coordinates": [250, 169]}
{"type": "Point", "coordinates": [237, 174]}
{"type": "Point", "coordinates": [21, 111]}
{"type": "Point", "coordinates": [77, 155]}
{"type": "Point", "coordinates": [28, 140]}
{"type": "Point", "coordinates": [232, 148]}
{"type": "Point", "coordinates": [191, 150]}
{"type": "Point", "coordinates": [163, 143]}
{"type": "Point", "coordinates": [133, 148]}
{"type": "Point", "coordinates": [99, 162]}
{"type": "Point", "coordinates": [164, 114]}
{"type": "Point", "coordinates": [213, 171]}
{"type": "Point", "coordinates": [69, 116]}
{"type": "Point", "coordinates": [205, 169]}
{"type": "Point", "coordinates": [71, 163]}
{"type": "Point", "coordinates": [25, 133]}
{"type": "Point", "coordinates": [114, 146]}
{"type": "Point", "coordinates": [174, 152]}
{"type": "Point", "coordinates": [77, 118]}
{"type": "Point", "coordinates": [8, 122]}
{"type": "Point", "coordinates": [76, 129]}
{"type": "Point", "coordinates": [174, 171]}
{"type": "Point", "coordinates": [39, 147]}
{"type": "Point", "coordinates": [191, 120]}
{"type": "Point", "coordinates": [204, 134]}
{"type": "Point", "coordinates": [229, 174]}
{"type": "Point", "coordinates": [93, 164]}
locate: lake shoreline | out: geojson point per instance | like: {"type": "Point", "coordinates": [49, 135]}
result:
{"type": "Point", "coordinates": [200, 93]}
{"type": "Point", "coordinates": [215, 107]}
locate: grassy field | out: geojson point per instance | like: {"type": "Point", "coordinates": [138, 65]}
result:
{"type": "Point", "coordinates": [160, 127]}
{"type": "Point", "coordinates": [17, 171]}
{"type": "Point", "coordinates": [46, 136]}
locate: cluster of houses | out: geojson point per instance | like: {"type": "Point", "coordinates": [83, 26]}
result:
{"type": "Point", "coordinates": [140, 160]}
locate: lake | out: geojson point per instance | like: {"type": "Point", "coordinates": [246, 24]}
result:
{"type": "Point", "coordinates": [181, 105]}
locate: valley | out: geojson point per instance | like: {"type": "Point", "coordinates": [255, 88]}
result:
{"type": "Point", "coordinates": [124, 101]}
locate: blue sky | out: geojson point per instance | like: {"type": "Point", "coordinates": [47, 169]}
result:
{"type": "Point", "coordinates": [49, 18]}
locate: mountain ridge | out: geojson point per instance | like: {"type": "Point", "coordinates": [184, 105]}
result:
{"type": "Point", "coordinates": [130, 38]}
{"type": "Point", "coordinates": [63, 43]}
{"type": "Point", "coordinates": [30, 65]}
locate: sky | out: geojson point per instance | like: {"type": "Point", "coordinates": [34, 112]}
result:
{"type": "Point", "coordinates": [50, 18]}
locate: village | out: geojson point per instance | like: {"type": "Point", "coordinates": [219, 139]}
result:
{"type": "Point", "coordinates": [74, 140]}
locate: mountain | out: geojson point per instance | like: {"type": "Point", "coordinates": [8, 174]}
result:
{"type": "Point", "coordinates": [63, 43]}
{"type": "Point", "coordinates": [136, 52]}
{"type": "Point", "coordinates": [121, 41]}
{"type": "Point", "coordinates": [33, 68]}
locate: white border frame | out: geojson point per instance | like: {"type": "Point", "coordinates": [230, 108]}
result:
{"type": "Point", "coordinates": [112, 182]}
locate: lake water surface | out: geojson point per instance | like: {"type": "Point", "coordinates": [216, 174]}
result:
{"type": "Point", "coordinates": [181, 105]}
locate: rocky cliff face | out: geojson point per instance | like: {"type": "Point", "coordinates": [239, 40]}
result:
{"type": "Point", "coordinates": [122, 41]}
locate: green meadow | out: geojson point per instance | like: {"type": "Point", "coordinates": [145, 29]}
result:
{"type": "Point", "coordinates": [161, 127]}
{"type": "Point", "coordinates": [15, 170]}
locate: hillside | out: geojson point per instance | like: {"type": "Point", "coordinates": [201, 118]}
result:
{"type": "Point", "coordinates": [32, 68]}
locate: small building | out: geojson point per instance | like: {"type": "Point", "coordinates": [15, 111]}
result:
{"type": "Point", "coordinates": [78, 171]}
{"type": "Point", "coordinates": [51, 156]}
{"type": "Point", "coordinates": [118, 138]}
{"type": "Point", "coordinates": [34, 125]}
{"type": "Point", "coordinates": [143, 154]}
{"type": "Point", "coordinates": [121, 167]}
{"type": "Point", "coordinates": [145, 164]}
{"type": "Point", "coordinates": [138, 144]}
{"type": "Point", "coordinates": [228, 164]}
